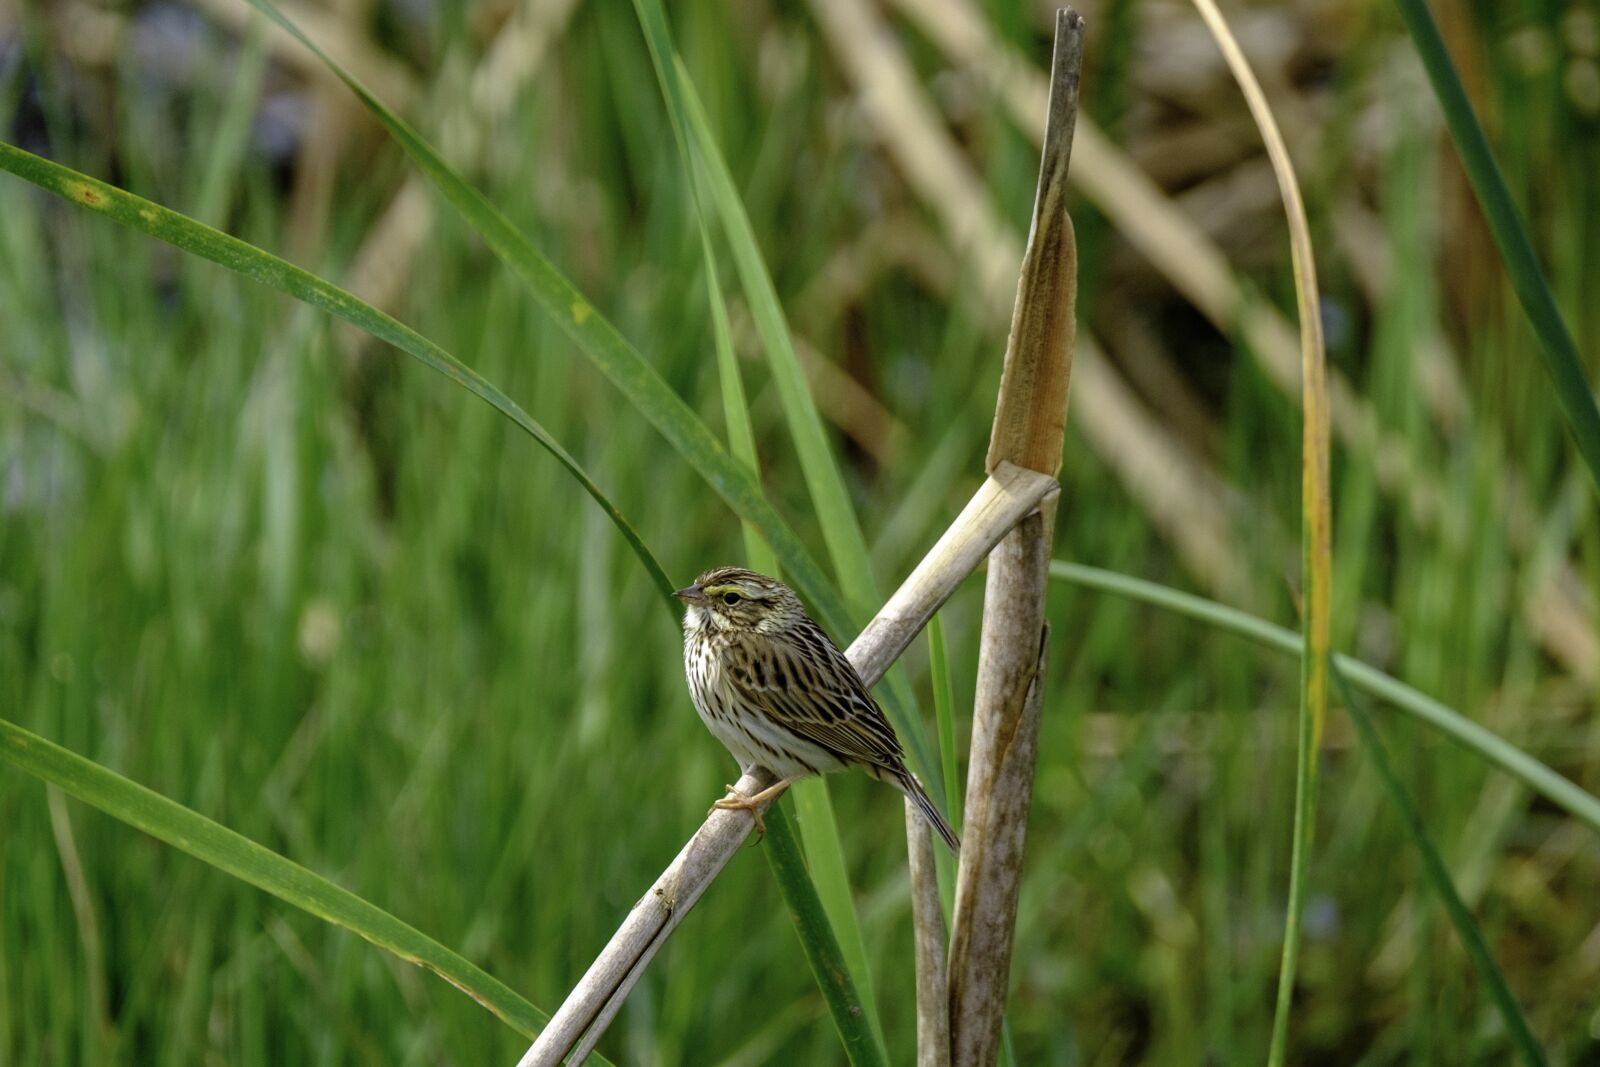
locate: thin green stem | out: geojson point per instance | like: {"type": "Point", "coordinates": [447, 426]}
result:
{"type": "Point", "coordinates": [1305, 818]}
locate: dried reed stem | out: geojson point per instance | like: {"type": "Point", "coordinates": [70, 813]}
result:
{"type": "Point", "coordinates": [1030, 418]}
{"type": "Point", "coordinates": [1005, 739]}
{"type": "Point", "coordinates": [928, 936]}
{"type": "Point", "coordinates": [1009, 493]}
{"type": "Point", "coordinates": [1029, 429]}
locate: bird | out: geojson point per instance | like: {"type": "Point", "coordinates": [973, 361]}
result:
{"type": "Point", "coordinates": [771, 685]}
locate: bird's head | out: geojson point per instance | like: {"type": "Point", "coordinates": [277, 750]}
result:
{"type": "Point", "coordinates": [732, 598]}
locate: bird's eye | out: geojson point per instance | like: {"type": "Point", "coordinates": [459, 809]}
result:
{"type": "Point", "coordinates": [731, 599]}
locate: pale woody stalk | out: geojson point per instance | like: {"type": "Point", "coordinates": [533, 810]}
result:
{"type": "Point", "coordinates": [1029, 430]}
{"type": "Point", "coordinates": [927, 915]}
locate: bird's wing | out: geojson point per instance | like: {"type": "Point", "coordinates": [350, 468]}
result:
{"type": "Point", "coordinates": [806, 685]}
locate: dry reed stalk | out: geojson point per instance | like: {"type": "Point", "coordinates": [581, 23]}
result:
{"type": "Point", "coordinates": [1029, 429]}
{"type": "Point", "coordinates": [1005, 745]}
{"type": "Point", "coordinates": [928, 934]}
{"type": "Point", "coordinates": [1009, 493]}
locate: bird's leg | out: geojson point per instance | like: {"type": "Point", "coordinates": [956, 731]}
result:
{"type": "Point", "coordinates": [737, 801]}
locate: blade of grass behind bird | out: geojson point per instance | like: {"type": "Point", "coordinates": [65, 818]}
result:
{"type": "Point", "coordinates": [244, 859]}
{"type": "Point", "coordinates": [1316, 521]}
{"type": "Point", "coordinates": [861, 1043]}
{"type": "Point", "coordinates": [711, 183]}
{"type": "Point", "coordinates": [827, 887]}
{"type": "Point", "coordinates": [830, 499]}
{"type": "Point", "coordinates": [1573, 391]}
{"type": "Point", "coordinates": [944, 715]}
{"type": "Point", "coordinates": [194, 237]}
{"type": "Point", "coordinates": [846, 546]}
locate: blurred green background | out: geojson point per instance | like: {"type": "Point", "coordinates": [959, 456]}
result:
{"type": "Point", "coordinates": [288, 578]}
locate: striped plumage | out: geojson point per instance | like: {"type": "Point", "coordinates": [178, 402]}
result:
{"type": "Point", "coordinates": [773, 688]}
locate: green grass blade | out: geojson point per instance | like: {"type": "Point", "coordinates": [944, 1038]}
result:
{"type": "Point", "coordinates": [847, 548]}
{"type": "Point", "coordinates": [1560, 351]}
{"type": "Point", "coordinates": [861, 1043]}
{"type": "Point", "coordinates": [212, 843]}
{"type": "Point", "coordinates": [828, 883]}
{"type": "Point", "coordinates": [735, 410]}
{"type": "Point", "coordinates": [201, 240]}
{"type": "Point", "coordinates": [1533, 773]}
{"type": "Point", "coordinates": [819, 829]}
{"type": "Point", "coordinates": [830, 499]}
{"type": "Point", "coordinates": [604, 345]}
{"type": "Point", "coordinates": [1439, 876]}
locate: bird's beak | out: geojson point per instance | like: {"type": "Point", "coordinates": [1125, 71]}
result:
{"type": "Point", "coordinates": [688, 594]}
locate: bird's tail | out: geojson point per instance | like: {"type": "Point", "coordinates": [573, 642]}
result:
{"type": "Point", "coordinates": [908, 784]}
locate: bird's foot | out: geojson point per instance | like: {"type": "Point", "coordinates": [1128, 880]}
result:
{"type": "Point", "coordinates": [737, 801]}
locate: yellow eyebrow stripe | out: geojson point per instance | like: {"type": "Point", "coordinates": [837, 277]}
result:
{"type": "Point", "coordinates": [718, 590]}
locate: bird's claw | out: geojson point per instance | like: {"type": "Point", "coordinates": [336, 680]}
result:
{"type": "Point", "coordinates": [737, 801]}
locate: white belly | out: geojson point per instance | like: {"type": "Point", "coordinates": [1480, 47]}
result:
{"type": "Point", "coordinates": [752, 739]}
